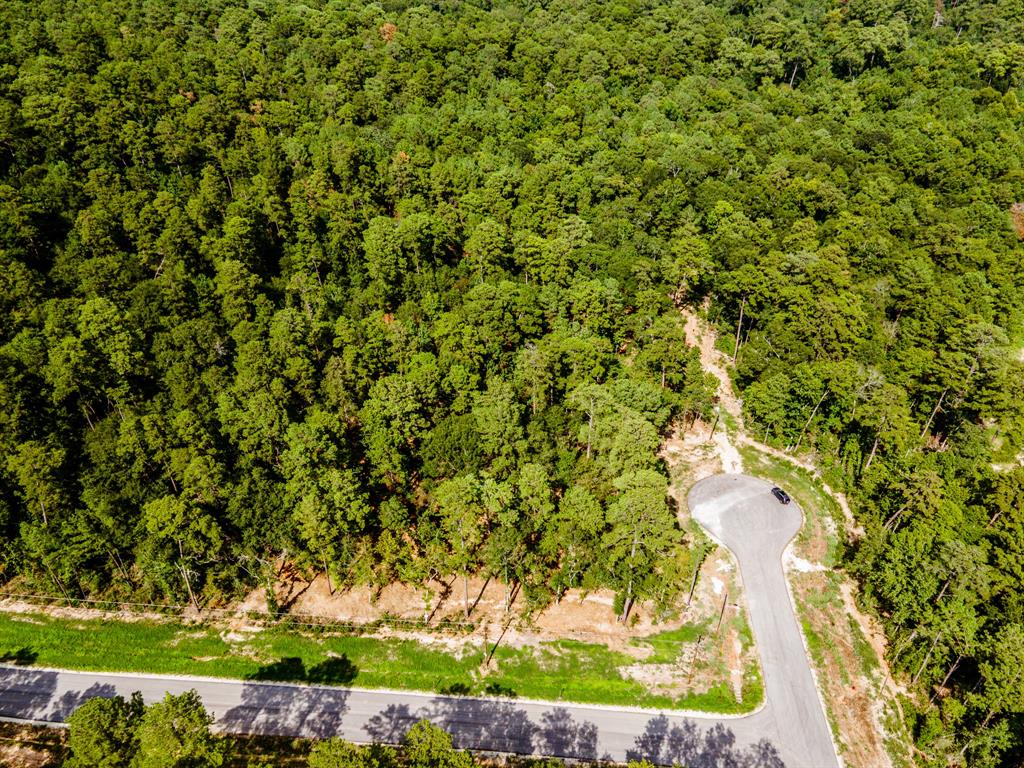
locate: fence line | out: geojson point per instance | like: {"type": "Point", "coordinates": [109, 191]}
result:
{"type": "Point", "coordinates": [285, 618]}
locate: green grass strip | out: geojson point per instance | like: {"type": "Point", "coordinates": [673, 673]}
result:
{"type": "Point", "coordinates": [564, 670]}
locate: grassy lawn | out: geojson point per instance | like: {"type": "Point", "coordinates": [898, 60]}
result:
{"type": "Point", "coordinates": [564, 670]}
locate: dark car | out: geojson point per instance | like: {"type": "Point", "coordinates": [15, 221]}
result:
{"type": "Point", "coordinates": [781, 495]}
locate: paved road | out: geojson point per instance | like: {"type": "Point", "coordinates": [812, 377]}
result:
{"type": "Point", "coordinates": [790, 730]}
{"type": "Point", "coordinates": [740, 512]}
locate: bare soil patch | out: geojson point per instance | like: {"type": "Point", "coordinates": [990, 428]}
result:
{"type": "Point", "coordinates": [1017, 216]}
{"type": "Point", "coordinates": [18, 606]}
{"type": "Point", "coordinates": [588, 617]}
{"type": "Point", "coordinates": [25, 746]}
{"type": "Point", "coordinates": [692, 457]}
{"type": "Point", "coordinates": [699, 334]}
{"type": "Point", "coordinates": [854, 700]}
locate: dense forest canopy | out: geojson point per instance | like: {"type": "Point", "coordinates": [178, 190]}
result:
{"type": "Point", "coordinates": [390, 290]}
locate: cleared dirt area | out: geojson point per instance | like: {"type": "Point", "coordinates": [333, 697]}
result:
{"type": "Point", "coordinates": [581, 616]}
{"type": "Point", "coordinates": [717, 656]}
{"type": "Point", "coordinates": [26, 746]}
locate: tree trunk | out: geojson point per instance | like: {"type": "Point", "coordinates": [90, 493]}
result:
{"type": "Point", "coordinates": [949, 674]}
{"type": "Point", "coordinates": [739, 327]}
{"type": "Point", "coordinates": [793, 76]}
{"type": "Point", "coordinates": [327, 573]}
{"type": "Point", "coordinates": [627, 603]}
{"type": "Point", "coordinates": [119, 564]}
{"type": "Point", "coordinates": [894, 517]}
{"type": "Point", "coordinates": [874, 448]}
{"type": "Point", "coordinates": [465, 591]}
{"type": "Point", "coordinates": [897, 653]}
{"type": "Point", "coordinates": [590, 427]}
{"type": "Point", "coordinates": [188, 586]}
{"type": "Point", "coordinates": [927, 657]}
{"type": "Point", "coordinates": [59, 583]}
{"type": "Point", "coordinates": [184, 573]}
{"type": "Point", "coordinates": [810, 419]}
{"type": "Point", "coordinates": [935, 410]}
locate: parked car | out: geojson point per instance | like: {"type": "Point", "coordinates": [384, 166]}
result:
{"type": "Point", "coordinates": [781, 495]}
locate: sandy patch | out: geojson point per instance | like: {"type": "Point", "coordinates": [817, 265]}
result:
{"type": "Point", "coordinates": [17, 606]}
{"type": "Point", "coordinates": [23, 756]}
{"type": "Point", "coordinates": [791, 562]}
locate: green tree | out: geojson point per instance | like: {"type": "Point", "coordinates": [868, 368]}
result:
{"type": "Point", "coordinates": [461, 515]}
{"type": "Point", "coordinates": [641, 529]}
{"type": "Point", "coordinates": [175, 733]}
{"type": "Point", "coordinates": [102, 732]}
{"type": "Point", "coordinates": [336, 753]}
{"type": "Point", "coordinates": [427, 746]}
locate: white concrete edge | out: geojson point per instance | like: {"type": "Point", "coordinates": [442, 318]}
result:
{"type": "Point", "coordinates": [37, 723]}
{"type": "Point", "coordinates": [426, 695]}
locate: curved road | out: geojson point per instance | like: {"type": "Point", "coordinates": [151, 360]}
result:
{"type": "Point", "coordinates": [790, 730]}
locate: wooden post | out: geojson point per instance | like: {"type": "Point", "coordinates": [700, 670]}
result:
{"type": "Point", "coordinates": [693, 585]}
{"type": "Point", "coordinates": [721, 615]}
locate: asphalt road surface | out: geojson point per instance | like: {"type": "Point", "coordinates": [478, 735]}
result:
{"type": "Point", "coordinates": [741, 513]}
{"type": "Point", "coordinates": [790, 730]}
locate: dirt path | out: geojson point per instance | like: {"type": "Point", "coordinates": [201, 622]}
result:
{"type": "Point", "coordinates": [699, 335]}
{"type": "Point", "coordinates": [712, 361]}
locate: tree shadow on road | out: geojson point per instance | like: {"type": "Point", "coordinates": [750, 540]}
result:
{"type": "Point", "coordinates": [391, 724]}
{"type": "Point", "coordinates": [72, 700]}
{"type": "Point", "coordinates": [482, 724]}
{"type": "Point", "coordinates": [559, 735]}
{"type": "Point", "coordinates": [491, 725]}
{"type": "Point", "coordinates": [27, 693]}
{"type": "Point", "coordinates": [267, 709]}
{"type": "Point", "coordinates": [688, 744]}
